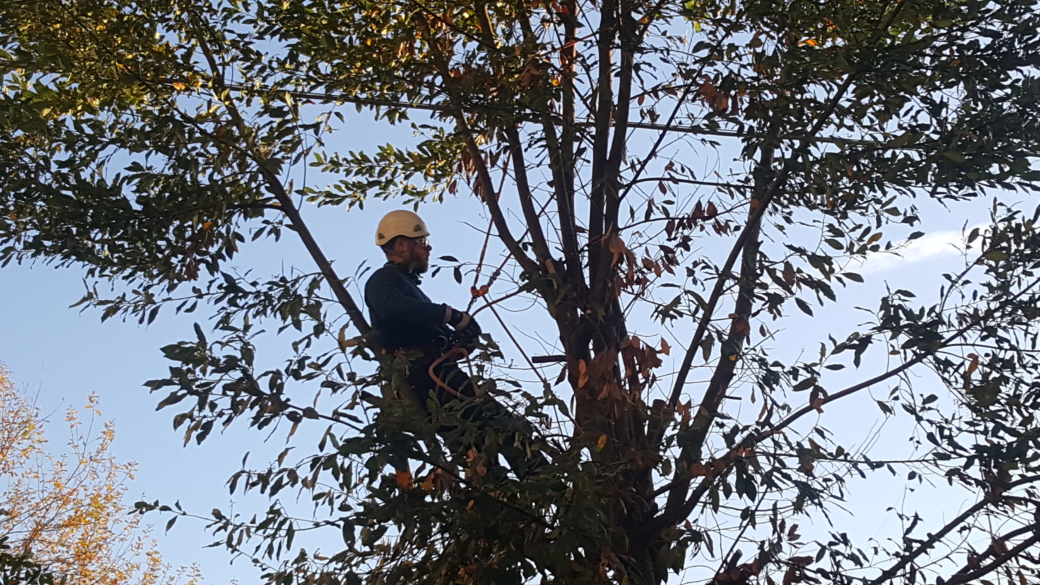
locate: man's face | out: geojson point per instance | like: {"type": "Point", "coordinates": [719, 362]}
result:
{"type": "Point", "coordinates": [419, 254]}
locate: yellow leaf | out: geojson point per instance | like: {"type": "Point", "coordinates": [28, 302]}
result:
{"type": "Point", "coordinates": [207, 225]}
{"type": "Point", "coordinates": [583, 374]}
{"type": "Point", "coordinates": [601, 443]}
{"type": "Point", "coordinates": [179, 86]}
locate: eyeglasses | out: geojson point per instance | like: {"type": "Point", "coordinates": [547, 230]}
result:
{"type": "Point", "coordinates": [421, 242]}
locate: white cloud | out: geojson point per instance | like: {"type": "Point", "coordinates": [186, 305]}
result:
{"type": "Point", "coordinates": [933, 246]}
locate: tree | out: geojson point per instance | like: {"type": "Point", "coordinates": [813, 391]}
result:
{"type": "Point", "coordinates": [148, 141]}
{"type": "Point", "coordinates": [18, 567]}
{"type": "Point", "coordinates": [63, 518]}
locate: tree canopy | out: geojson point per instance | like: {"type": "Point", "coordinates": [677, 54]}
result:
{"type": "Point", "coordinates": [63, 516]}
{"type": "Point", "coordinates": [700, 172]}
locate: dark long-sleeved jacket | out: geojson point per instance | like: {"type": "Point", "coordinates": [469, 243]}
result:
{"type": "Point", "coordinates": [402, 315]}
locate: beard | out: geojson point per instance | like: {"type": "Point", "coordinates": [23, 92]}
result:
{"type": "Point", "coordinates": [420, 262]}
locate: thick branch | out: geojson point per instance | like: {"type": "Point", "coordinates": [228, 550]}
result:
{"type": "Point", "coordinates": [599, 269]}
{"type": "Point", "coordinates": [757, 212]}
{"type": "Point", "coordinates": [730, 352]}
{"type": "Point", "coordinates": [667, 127]}
{"type": "Point", "coordinates": [932, 540]}
{"type": "Point", "coordinates": [740, 327]}
{"type": "Point", "coordinates": [274, 185]}
{"type": "Point", "coordinates": [563, 180]}
{"type": "Point", "coordinates": [490, 197]}
{"type": "Point", "coordinates": [565, 207]}
{"type": "Point", "coordinates": [523, 188]}
{"type": "Point", "coordinates": [750, 229]}
{"type": "Point", "coordinates": [601, 139]}
{"type": "Point", "coordinates": [998, 562]}
{"type": "Point", "coordinates": [487, 186]}
{"type": "Point", "coordinates": [560, 160]}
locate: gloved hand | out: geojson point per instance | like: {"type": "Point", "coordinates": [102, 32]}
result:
{"type": "Point", "coordinates": [459, 320]}
{"type": "Point", "coordinates": [466, 336]}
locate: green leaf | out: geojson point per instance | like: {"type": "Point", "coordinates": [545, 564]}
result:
{"type": "Point", "coordinates": [804, 384]}
{"type": "Point", "coordinates": [804, 306]}
{"type": "Point", "coordinates": [854, 277]}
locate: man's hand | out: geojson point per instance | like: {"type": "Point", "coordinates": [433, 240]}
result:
{"type": "Point", "coordinates": [458, 320]}
{"type": "Point", "coordinates": [467, 330]}
{"type": "Point", "coordinates": [467, 337]}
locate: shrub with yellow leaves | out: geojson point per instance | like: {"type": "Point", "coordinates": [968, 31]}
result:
{"type": "Point", "coordinates": [66, 507]}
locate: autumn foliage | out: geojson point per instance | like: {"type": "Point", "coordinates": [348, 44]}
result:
{"type": "Point", "coordinates": [66, 507]}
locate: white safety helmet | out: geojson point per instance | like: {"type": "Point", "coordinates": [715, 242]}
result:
{"type": "Point", "coordinates": [400, 223]}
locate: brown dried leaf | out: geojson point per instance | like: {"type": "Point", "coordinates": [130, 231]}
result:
{"type": "Point", "coordinates": [974, 365]}
{"type": "Point", "coordinates": [404, 478]}
{"type": "Point", "coordinates": [616, 247]}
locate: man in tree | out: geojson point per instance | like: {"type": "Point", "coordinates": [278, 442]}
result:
{"type": "Point", "coordinates": [433, 335]}
{"type": "Point", "coordinates": [405, 319]}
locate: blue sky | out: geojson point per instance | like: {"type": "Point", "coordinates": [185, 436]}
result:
{"type": "Point", "coordinates": [62, 355]}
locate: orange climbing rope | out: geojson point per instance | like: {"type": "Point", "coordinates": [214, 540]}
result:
{"type": "Point", "coordinates": [453, 353]}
